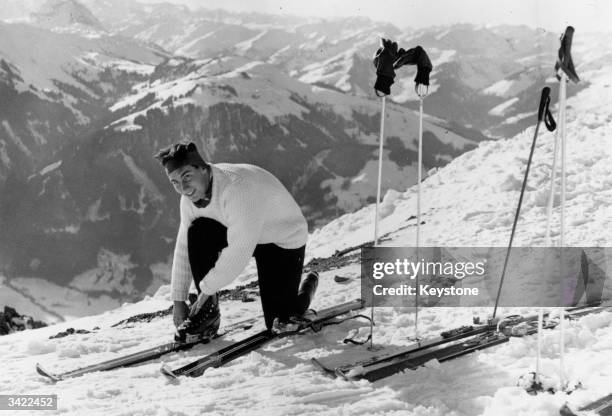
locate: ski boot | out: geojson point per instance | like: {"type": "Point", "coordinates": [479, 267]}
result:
{"type": "Point", "coordinates": [204, 325]}
{"type": "Point", "coordinates": [306, 293]}
{"type": "Point", "coordinates": [293, 325]}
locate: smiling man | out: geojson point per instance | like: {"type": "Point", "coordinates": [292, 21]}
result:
{"type": "Point", "coordinates": [229, 213]}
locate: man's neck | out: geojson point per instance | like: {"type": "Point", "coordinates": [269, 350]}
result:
{"type": "Point", "coordinates": [203, 203]}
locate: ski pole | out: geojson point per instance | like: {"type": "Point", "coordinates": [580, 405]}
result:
{"type": "Point", "coordinates": [547, 240]}
{"type": "Point", "coordinates": [562, 96]}
{"type": "Point", "coordinates": [551, 193]}
{"type": "Point", "coordinates": [565, 65]}
{"type": "Point", "coordinates": [543, 114]}
{"type": "Point", "coordinates": [419, 172]}
{"type": "Point", "coordinates": [418, 227]}
{"type": "Point", "coordinates": [380, 159]}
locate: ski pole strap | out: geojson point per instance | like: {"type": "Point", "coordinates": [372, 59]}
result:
{"type": "Point", "coordinates": [421, 95]}
{"type": "Point", "coordinates": [544, 111]}
{"type": "Point", "coordinates": [351, 339]}
{"type": "Point", "coordinates": [316, 327]}
{"type": "Point", "coordinates": [565, 62]}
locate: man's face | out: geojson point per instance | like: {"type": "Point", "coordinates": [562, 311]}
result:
{"type": "Point", "coordinates": [190, 181]}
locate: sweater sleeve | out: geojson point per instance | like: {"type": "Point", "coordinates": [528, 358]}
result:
{"type": "Point", "coordinates": [244, 212]}
{"type": "Point", "coordinates": [181, 270]}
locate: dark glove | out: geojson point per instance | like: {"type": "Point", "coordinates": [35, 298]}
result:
{"type": "Point", "coordinates": [383, 61]}
{"type": "Point", "coordinates": [180, 312]}
{"type": "Point", "coordinates": [416, 56]}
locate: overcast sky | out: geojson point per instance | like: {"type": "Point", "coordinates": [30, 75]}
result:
{"type": "Point", "coordinates": [584, 15]}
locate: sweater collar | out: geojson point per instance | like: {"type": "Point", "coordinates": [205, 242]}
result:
{"type": "Point", "coordinates": [203, 203]}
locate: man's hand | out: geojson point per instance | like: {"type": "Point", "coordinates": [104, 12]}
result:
{"type": "Point", "coordinates": [180, 312]}
{"type": "Point", "coordinates": [197, 305]}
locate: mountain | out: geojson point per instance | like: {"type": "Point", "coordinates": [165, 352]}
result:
{"type": "Point", "coordinates": [62, 13]}
{"type": "Point", "coordinates": [482, 77]}
{"type": "Point", "coordinates": [55, 86]}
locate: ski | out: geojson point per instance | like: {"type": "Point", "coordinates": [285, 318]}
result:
{"type": "Point", "coordinates": [444, 338]}
{"type": "Point", "coordinates": [144, 355]}
{"type": "Point", "coordinates": [601, 407]}
{"type": "Point", "coordinates": [378, 370]}
{"type": "Point", "coordinates": [218, 358]}
{"type": "Point", "coordinates": [448, 345]}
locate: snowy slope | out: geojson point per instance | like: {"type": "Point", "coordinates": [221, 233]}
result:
{"type": "Point", "coordinates": [469, 202]}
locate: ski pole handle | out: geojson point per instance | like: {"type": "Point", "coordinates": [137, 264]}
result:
{"type": "Point", "coordinates": [544, 111]}
{"type": "Point", "coordinates": [564, 61]}
{"type": "Point", "coordinates": [544, 101]}
{"type": "Point", "coordinates": [566, 44]}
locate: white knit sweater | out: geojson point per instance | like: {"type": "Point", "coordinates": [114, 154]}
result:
{"type": "Point", "coordinates": [256, 209]}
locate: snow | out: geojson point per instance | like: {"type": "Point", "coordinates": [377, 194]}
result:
{"type": "Point", "coordinates": [444, 57]}
{"type": "Point", "coordinates": [50, 168]}
{"type": "Point", "coordinates": [48, 58]}
{"type": "Point", "coordinates": [517, 118]}
{"type": "Point", "coordinates": [442, 34]}
{"type": "Point", "coordinates": [16, 139]}
{"type": "Point", "coordinates": [354, 194]}
{"type": "Point", "coordinates": [189, 46]}
{"type": "Point", "coordinates": [500, 88]}
{"type": "Point", "coordinates": [141, 177]}
{"type": "Point", "coordinates": [243, 47]}
{"type": "Point", "coordinates": [333, 71]}
{"type": "Point", "coordinates": [501, 109]}
{"type": "Point", "coordinates": [58, 302]}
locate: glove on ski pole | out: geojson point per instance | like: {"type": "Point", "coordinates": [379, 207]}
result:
{"type": "Point", "coordinates": [416, 56]}
{"type": "Point", "coordinates": [384, 58]}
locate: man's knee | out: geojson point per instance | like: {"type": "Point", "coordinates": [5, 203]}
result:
{"type": "Point", "coordinates": [207, 232]}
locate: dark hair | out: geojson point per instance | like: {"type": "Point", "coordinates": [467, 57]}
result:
{"type": "Point", "coordinates": [180, 154]}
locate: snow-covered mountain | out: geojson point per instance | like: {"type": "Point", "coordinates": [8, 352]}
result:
{"type": "Point", "coordinates": [469, 202]}
{"type": "Point", "coordinates": [482, 75]}
{"type": "Point", "coordinates": [62, 13]}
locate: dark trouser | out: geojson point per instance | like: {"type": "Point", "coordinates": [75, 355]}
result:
{"type": "Point", "coordinates": [279, 270]}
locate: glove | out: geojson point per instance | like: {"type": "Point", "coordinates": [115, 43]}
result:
{"type": "Point", "coordinates": [383, 62]}
{"type": "Point", "coordinates": [179, 312]}
{"type": "Point", "coordinates": [416, 56]}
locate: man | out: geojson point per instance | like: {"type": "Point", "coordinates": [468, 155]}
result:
{"type": "Point", "coordinates": [230, 212]}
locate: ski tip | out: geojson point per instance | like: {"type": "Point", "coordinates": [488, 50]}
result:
{"type": "Point", "coordinates": [326, 370]}
{"type": "Point", "coordinates": [341, 374]}
{"type": "Point", "coordinates": [566, 411]}
{"type": "Point", "coordinates": [40, 370]}
{"type": "Point", "coordinates": [167, 371]}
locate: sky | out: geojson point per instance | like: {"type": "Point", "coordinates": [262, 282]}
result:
{"type": "Point", "coordinates": [584, 15]}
